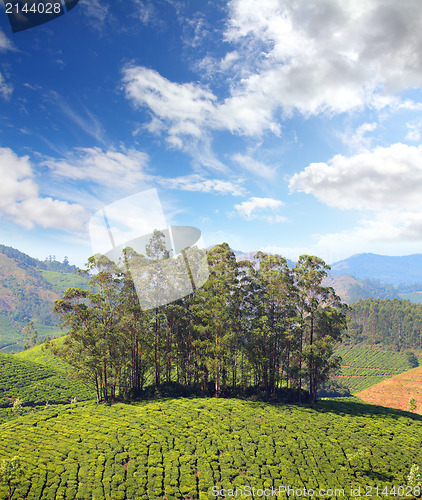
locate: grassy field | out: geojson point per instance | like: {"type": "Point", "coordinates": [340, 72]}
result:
{"type": "Point", "coordinates": [395, 392]}
{"type": "Point", "coordinates": [363, 367]}
{"type": "Point", "coordinates": [183, 448]}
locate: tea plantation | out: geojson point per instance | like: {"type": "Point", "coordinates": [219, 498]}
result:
{"type": "Point", "coordinates": [181, 449]}
{"type": "Point", "coordinates": [362, 367]}
{"type": "Point", "coordinates": [36, 383]}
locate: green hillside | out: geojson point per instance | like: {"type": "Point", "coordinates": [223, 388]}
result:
{"type": "Point", "coordinates": [177, 449]}
{"type": "Point", "coordinates": [39, 354]}
{"type": "Point", "coordinates": [28, 289]}
{"type": "Point", "coordinates": [35, 377]}
{"type": "Point", "coordinates": [362, 367]}
{"type": "Point", "coordinates": [60, 281]}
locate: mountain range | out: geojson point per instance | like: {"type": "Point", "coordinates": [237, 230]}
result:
{"type": "Point", "coordinates": [394, 270]}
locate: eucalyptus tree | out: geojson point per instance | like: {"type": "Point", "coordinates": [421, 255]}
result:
{"type": "Point", "coordinates": [95, 343]}
{"type": "Point", "coordinates": [322, 320]}
{"type": "Point", "coordinates": [248, 311]}
{"type": "Point", "coordinates": [215, 309]}
{"type": "Point", "coordinates": [274, 319]}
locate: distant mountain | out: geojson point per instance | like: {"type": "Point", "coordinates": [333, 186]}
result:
{"type": "Point", "coordinates": [28, 289]}
{"type": "Point", "coordinates": [394, 270]}
{"type": "Point", "coordinates": [367, 275]}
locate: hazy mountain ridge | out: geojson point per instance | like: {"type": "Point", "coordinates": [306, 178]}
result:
{"type": "Point", "coordinates": [390, 269]}
{"type": "Point", "coordinates": [369, 275]}
{"type": "Point", "coordinates": [28, 289]}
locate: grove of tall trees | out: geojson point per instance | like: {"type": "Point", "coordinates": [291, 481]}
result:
{"type": "Point", "coordinates": [260, 324]}
{"type": "Point", "coordinates": [394, 324]}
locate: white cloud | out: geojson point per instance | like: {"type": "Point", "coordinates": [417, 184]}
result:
{"type": "Point", "coordinates": [185, 107]}
{"type": "Point", "coordinates": [256, 208]}
{"type": "Point", "coordinates": [413, 133]}
{"type": "Point", "coordinates": [357, 140]}
{"type": "Point", "coordinates": [6, 89]}
{"type": "Point", "coordinates": [200, 184]}
{"type": "Point", "coordinates": [96, 11]}
{"type": "Point", "coordinates": [19, 198]}
{"type": "Point", "coordinates": [256, 167]}
{"type": "Point", "coordinates": [390, 232]}
{"type": "Point", "coordinates": [289, 57]}
{"type": "Point", "coordinates": [378, 179]}
{"type": "Point", "coordinates": [5, 43]}
{"type": "Point", "coordinates": [109, 168]}
{"type": "Point", "coordinates": [333, 56]}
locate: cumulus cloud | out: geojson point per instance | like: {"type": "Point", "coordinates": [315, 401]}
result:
{"type": "Point", "coordinates": [332, 57]}
{"type": "Point", "coordinates": [109, 168]}
{"type": "Point", "coordinates": [20, 200]}
{"type": "Point", "coordinates": [286, 57]}
{"type": "Point", "coordinates": [386, 177]}
{"type": "Point", "coordinates": [258, 208]}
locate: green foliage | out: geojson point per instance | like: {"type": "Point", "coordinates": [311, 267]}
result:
{"type": "Point", "coordinates": [34, 383]}
{"type": "Point", "coordinates": [17, 406]}
{"type": "Point", "coordinates": [362, 367]}
{"type": "Point", "coordinates": [412, 404]}
{"type": "Point", "coordinates": [27, 295]}
{"type": "Point", "coordinates": [182, 448]}
{"type": "Point", "coordinates": [394, 324]}
{"type": "Point", "coordinates": [11, 470]}
{"type": "Point", "coordinates": [61, 281]}
{"type": "Point", "coordinates": [268, 327]}
{"type": "Point", "coordinates": [412, 359]}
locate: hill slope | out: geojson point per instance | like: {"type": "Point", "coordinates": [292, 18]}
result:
{"type": "Point", "coordinates": [396, 391]}
{"type": "Point", "coordinates": [362, 367]}
{"type": "Point", "coordinates": [37, 376]}
{"type": "Point", "coordinates": [28, 289]}
{"type": "Point", "coordinates": [185, 448]}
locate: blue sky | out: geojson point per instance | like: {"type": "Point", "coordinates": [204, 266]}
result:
{"type": "Point", "coordinates": [291, 127]}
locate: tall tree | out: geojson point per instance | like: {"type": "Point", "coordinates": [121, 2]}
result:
{"type": "Point", "coordinates": [321, 319]}
{"type": "Point", "coordinates": [95, 342]}
{"type": "Point", "coordinates": [215, 310]}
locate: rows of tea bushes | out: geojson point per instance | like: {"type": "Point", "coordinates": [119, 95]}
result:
{"type": "Point", "coordinates": [44, 356]}
{"type": "Point", "coordinates": [36, 383]}
{"type": "Point", "coordinates": [181, 449]}
{"type": "Point", "coordinates": [362, 367]}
